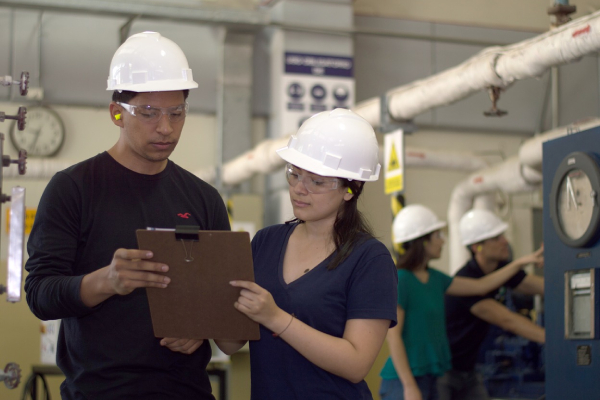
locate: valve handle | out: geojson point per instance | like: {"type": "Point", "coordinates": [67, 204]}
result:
{"type": "Point", "coordinates": [22, 162]}
{"type": "Point", "coordinates": [24, 84]}
{"type": "Point", "coordinates": [11, 375]}
{"type": "Point", "coordinates": [21, 118]}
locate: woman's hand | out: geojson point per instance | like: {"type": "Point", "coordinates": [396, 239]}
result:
{"type": "Point", "coordinates": [412, 393]}
{"type": "Point", "coordinates": [256, 302]}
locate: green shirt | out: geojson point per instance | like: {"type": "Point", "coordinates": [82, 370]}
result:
{"type": "Point", "coordinates": [424, 330]}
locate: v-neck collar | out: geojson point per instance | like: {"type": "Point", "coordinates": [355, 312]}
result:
{"type": "Point", "coordinates": [428, 277]}
{"type": "Point", "coordinates": [282, 257]}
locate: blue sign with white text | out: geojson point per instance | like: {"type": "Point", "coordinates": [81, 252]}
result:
{"type": "Point", "coordinates": [320, 65]}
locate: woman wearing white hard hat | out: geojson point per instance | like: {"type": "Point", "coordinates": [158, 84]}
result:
{"type": "Point", "coordinates": [418, 343]}
{"type": "Point", "coordinates": [325, 289]}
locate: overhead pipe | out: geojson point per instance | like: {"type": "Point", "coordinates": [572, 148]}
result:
{"type": "Point", "coordinates": [518, 174]}
{"type": "Point", "coordinates": [507, 177]}
{"type": "Point", "coordinates": [497, 66]}
{"type": "Point", "coordinates": [263, 159]}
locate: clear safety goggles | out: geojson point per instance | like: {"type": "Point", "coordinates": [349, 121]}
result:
{"type": "Point", "coordinates": [152, 115]}
{"type": "Point", "coordinates": [312, 183]}
{"type": "Point", "coordinates": [439, 234]}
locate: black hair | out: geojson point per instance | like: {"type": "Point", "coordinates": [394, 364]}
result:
{"type": "Point", "coordinates": [125, 96]}
{"type": "Point", "coordinates": [350, 227]}
{"type": "Point", "coordinates": [414, 254]}
{"type": "Point", "coordinates": [470, 248]}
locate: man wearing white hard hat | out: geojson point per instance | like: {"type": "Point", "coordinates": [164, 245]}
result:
{"type": "Point", "coordinates": [84, 265]}
{"type": "Point", "coordinates": [468, 318]}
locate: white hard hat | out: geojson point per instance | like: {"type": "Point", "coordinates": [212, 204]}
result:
{"type": "Point", "coordinates": [336, 143]}
{"type": "Point", "coordinates": [414, 221]}
{"type": "Point", "coordinates": [479, 225]}
{"type": "Point", "coordinates": [149, 62]}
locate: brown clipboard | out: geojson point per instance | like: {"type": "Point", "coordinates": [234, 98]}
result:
{"type": "Point", "coordinates": [198, 302]}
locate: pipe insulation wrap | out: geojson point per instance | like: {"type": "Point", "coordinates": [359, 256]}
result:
{"type": "Point", "coordinates": [530, 152]}
{"type": "Point", "coordinates": [494, 66]}
{"type": "Point", "coordinates": [507, 177]}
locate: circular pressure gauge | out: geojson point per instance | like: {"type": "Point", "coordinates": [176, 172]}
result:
{"type": "Point", "coordinates": [44, 133]}
{"type": "Point", "coordinates": [574, 199]}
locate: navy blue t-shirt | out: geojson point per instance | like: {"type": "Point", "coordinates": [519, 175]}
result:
{"type": "Point", "coordinates": [362, 287]}
{"type": "Point", "coordinates": [465, 331]}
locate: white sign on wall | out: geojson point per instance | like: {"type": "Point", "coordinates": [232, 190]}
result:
{"type": "Point", "coordinates": [49, 340]}
{"type": "Point", "coordinates": [313, 83]}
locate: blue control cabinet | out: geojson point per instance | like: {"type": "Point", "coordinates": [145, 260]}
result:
{"type": "Point", "coordinates": [572, 265]}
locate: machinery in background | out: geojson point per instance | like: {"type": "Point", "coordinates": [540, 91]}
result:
{"type": "Point", "coordinates": [512, 366]}
{"type": "Point", "coordinates": [572, 253]}
{"type": "Point", "coordinates": [11, 374]}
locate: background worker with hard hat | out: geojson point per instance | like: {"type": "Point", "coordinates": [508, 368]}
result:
{"type": "Point", "coordinates": [84, 266]}
{"type": "Point", "coordinates": [325, 287]}
{"type": "Point", "coordinates": [418, 344]}
{"type": "Point", "coordinates": [468, 318]}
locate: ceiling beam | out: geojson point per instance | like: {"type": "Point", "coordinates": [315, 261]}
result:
{"type": "Point", "coordinates": [259, 17]}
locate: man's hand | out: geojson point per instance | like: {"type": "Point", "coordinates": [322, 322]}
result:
{"type": "Point", "coordinates": [130, 270]}
{"type": "Point", "coordinates": [185, 346]}
{"type": "Point", "coordinates": [536, 258]}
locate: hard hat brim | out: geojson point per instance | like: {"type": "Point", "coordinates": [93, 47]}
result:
{"type": "Point", "coordinates": [311, 165]}
{"type": "Point", "coordinates": [154, 86]}
{"type": "Point", "coordinates": [416, 235]}
{"type": "Point", "coordinates": [488, 235]}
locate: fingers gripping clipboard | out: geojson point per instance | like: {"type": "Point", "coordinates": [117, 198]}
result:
{"type": "Point", "coordinates": [198, 302]}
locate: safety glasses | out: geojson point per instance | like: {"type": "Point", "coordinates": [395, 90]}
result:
{"type": "Point", "coordinates": [313, 183]}
{"type": "Point", "coordinates": [151, 115]}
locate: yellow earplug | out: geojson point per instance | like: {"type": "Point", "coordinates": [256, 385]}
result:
{"type": "Point", "coordinates": [479, 248]}
{"type": "Point", "coordinates": [350, 191]}
{"type": "Point", "coordinates": [117, 116]}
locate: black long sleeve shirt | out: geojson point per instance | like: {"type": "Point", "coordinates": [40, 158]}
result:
{"type": "Point", "coordinates": [86, 213]}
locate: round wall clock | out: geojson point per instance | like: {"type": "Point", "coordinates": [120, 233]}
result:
{"type": "Point", "coordinates": [574, 199]}
{"type": "Point", "coordinates": [44, 133]}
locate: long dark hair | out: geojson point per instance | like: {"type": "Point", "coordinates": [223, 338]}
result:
{"type": "Point", "coordinates": [350, 227]}
{"type": "Point", "coordinates": [414, 254]}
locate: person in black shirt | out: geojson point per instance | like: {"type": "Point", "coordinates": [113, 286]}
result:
{"type": "Point", "coordinates": [468, 318]}
{"type": "Point", "coordinates": [84, 266]}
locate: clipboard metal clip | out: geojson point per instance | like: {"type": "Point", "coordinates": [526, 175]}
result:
{"type": "Point", "coordinates": [187, 233]}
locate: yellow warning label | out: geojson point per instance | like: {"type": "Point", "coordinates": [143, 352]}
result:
{"type": "Point", "coordinates": [394, 184]}
{"type": "Point", "coordinates": [393, 164]}
{"type": "Point", "coordinates": [29, 218]}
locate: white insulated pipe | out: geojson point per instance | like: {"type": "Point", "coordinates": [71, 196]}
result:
{"type": "Point", "coordinates": [263, 159]}
{"type": "Point", "coordinates": [448, 160]}
{"type": "Point", "coordinates": [494, 66]}
{"type": "Point", "coordinates": [509, 176]}
{"type": "Point", "coordinates": [521, 173]}
{"type": "Point", "coordinates": [530, 152]}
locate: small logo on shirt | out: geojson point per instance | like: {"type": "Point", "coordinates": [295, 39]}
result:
{"type": "Point", "coordinates": [186, 215]}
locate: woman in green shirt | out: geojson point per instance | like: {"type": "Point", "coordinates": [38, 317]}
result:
{"type": "Point", "coordinates": [418, 344]}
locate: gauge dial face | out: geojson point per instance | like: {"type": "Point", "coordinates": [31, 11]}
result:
{"type": "Point", "coordinates": [575, 203]}
{"type": "Point", "coordinates": [44, 133]}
